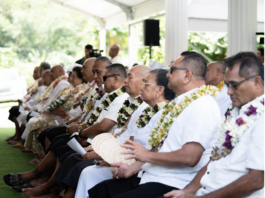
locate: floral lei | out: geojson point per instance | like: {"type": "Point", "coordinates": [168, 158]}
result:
{"type": "Point", "coordinates": [96, 96]}
{"type": "Point", "coordinates": [220, 86]}
{"type": "Point", "coordinates": [84, 94]}
{"type": "Point", "coordinates": [94, 116]}
{"type": "Point", "coordinates": [34, 87]}
{"type": "Point", "coordinates": [232, 129]}
{"type": "Point", "coordinates": [148, 113]}
{"type": "Point", "coordinates": [62, 99]}
{"type": "Point", "coordinates": [173, 110]}
{"type": "Point", "coordinates": [127, 110]}
{"type": "Point", "coordinates": [49, 89]}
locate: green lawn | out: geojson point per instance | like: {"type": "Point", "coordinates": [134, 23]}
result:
{"type": "Point", "coordinates": [12, 160]}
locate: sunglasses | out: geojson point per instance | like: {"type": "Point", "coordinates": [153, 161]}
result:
{"type": "Point", "coordinates": [179, 68]}
{"type": "Point", "coordinates": [105, 77]}
{"type": "Point", "coordinates": [235, 85]}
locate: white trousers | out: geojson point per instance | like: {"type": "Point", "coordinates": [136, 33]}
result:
{"type": "Point", "coordinates": [22, 118]}
{"type": "Point", "coordinates": [90, 177]}
{"type": "Point", "coordinates": [27, 129]}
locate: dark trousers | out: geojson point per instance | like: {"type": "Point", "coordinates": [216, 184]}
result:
{"type": "Point", "coordinates": [69, 172]}
{"type": "Point", "coordinates": [51, 133]}
{"type": "Point", "coordinates": [14, 111]}
{"type": "Point", "coordinates": [128, 188]}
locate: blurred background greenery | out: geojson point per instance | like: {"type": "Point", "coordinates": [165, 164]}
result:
{"type": "Point", "coordinates": [32, 31]}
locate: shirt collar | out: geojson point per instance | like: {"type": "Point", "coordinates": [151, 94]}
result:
{"type": "Point", "coordinates": [132, 99]}
{"type": "Point", "coordinates": [114, 91]}
{"type": "Point", "coordinates": [180, 97]}
{"type": "Point", "coordinates": [245, 106]}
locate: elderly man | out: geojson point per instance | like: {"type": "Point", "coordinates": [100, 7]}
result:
{"type": "Point", "coordinates": [107, 118]}
{"type": "Point", "coordinates": [181, 139]}
{"type": "Point", "coordinates": [215, 76]}
{"type": "Point", "coordinates": [48, 164]}
{"type": "Point", "coordinates": [237, 168]}
{"type": "Point", "coordinates": [76, 113]}
{"type": "Point", "coordinates": [58, 84]}
{"type": "Point", "coordinates": [14, 111]}
{"type": "Point", "coordinates": [113, 53]}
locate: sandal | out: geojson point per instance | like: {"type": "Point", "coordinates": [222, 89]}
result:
{"type": "Point", "coordinates": [14, 179]}
{"type": "Point", "coordinates": [18, 145]}
{"type": "Point", "coordinates": [10, 138]}
{"type": "Point", "coordinates": [20, 187]}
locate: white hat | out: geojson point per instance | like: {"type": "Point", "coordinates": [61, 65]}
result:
{"type": "Point", "coordinates": [109, 149]}
{"type": "Point", "coordinates": [155, 65]}
{"type": "Point", "coordinates": [71, 67]}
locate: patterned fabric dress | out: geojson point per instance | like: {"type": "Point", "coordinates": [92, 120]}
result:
{"type": "Point", "coordinates": [46, 120]}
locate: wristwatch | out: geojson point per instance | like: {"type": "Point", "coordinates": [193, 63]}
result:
{"type": "Point", "coordinates": [79, 134]}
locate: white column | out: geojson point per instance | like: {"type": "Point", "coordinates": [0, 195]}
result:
{"type": "Point", "coordinates": [131, 46]}
{"type": "Point", "coordinates": [242, 26]}
{"type": "Point", "coordinates": [102, 38]}
{"type": "Point", "coordinates": [176, 29]}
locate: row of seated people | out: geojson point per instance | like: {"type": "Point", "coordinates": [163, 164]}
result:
{"type": "Point", "coordinates": [192, 131]}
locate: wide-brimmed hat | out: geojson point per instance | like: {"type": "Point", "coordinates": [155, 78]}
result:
{"type": "Point", "coordinates": [109, 148]}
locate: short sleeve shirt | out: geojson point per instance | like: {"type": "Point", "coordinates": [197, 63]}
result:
{"type": "Point", "coordinates": [196, 123]}
{"type": "Point", "coordinates": [247, 154]}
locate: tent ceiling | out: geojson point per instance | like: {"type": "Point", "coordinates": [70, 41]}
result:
{"type": "Point", "coordinates": [204, 15]}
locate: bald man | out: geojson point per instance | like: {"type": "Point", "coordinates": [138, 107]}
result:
{"type": "Point", "coordinates": [215, 76]}
{"type": "Point", "coordinates": [87, 70]}
{"type": "Point", "coordinates": [58, 84]}
{"type": "Point", "coordinates": [113, 53]}
{"type": "Point", "coordinates": [132, 85]}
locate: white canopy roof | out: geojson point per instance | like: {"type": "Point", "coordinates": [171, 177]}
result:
{"type": "Point", "coordinates": [204, 15]}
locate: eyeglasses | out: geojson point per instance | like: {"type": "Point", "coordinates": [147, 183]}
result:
{"type": "Point", "coordinates": [234, 85]}
{"type": "Point", "coordinates": [105, 77]}
{"type": "Point", "coordinates": [144, 84]}
{"type": "Point", "coordinates": [179, 68]}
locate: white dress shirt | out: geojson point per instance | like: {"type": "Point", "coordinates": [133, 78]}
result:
{"type": "Point", "coordinates": [59, 87]}
{"type": "Point", "coordinates": [111, 112]}
{"type": "Point", "coordinates": [116, 59]}
{"type": "Point", "coordinates": [92, 175]}
{"type": "Point", "coordinates": [22, 118]}
{"type": "Point", "coordinates": [223, 100]}
{"type": "Point", "coordinates": [132, 126]}
{"type": "Point", "coordinates": [195, 124]}
{"type": "Point", "coordinates": [247, 154]}
{"type": "Point", "coordinates": [73, 113]}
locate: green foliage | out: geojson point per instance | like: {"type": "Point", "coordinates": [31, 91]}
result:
{"type": "Point", "coordinates": [213, 45]}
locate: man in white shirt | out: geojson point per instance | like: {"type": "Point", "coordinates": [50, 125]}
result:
{"type": "Point", "coordinates": [186, 147]}
{"type": "Point", "coordinates": [215, 76]}
{"type": "Point", "coordinates": [113, 53]}
{"type": "Point", "coordinates": [56, 72]}
{"type": "Point", "coordinates": [240, 173]}
{"type": "Point", "coordinates": [133, 81]}
{"type": "Point", "coordinates": [114, 80]}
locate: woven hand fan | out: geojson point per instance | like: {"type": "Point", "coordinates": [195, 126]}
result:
{"type": "Point", "coordinates": [109, 148]}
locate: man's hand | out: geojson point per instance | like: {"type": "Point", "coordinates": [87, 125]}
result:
{"type": "Point", "coordinates": [138, 151]}
{"type": "Point", "coordinates": [122, 171]}
{"type": "Point", "coordinates": [89, 148]}
{"type": "Point", "coordinates": [72, 128]}
{"type": "Point", "coordinates": [178, 194]}
{"type": "Point", "coordinates": [87, 156]}
{"type": "Point", "coordinates": [27, 109]}
{"type": "Point", "coordinates": [82, 141]}
{"type": "Point", "coordinates": [104, 163]}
